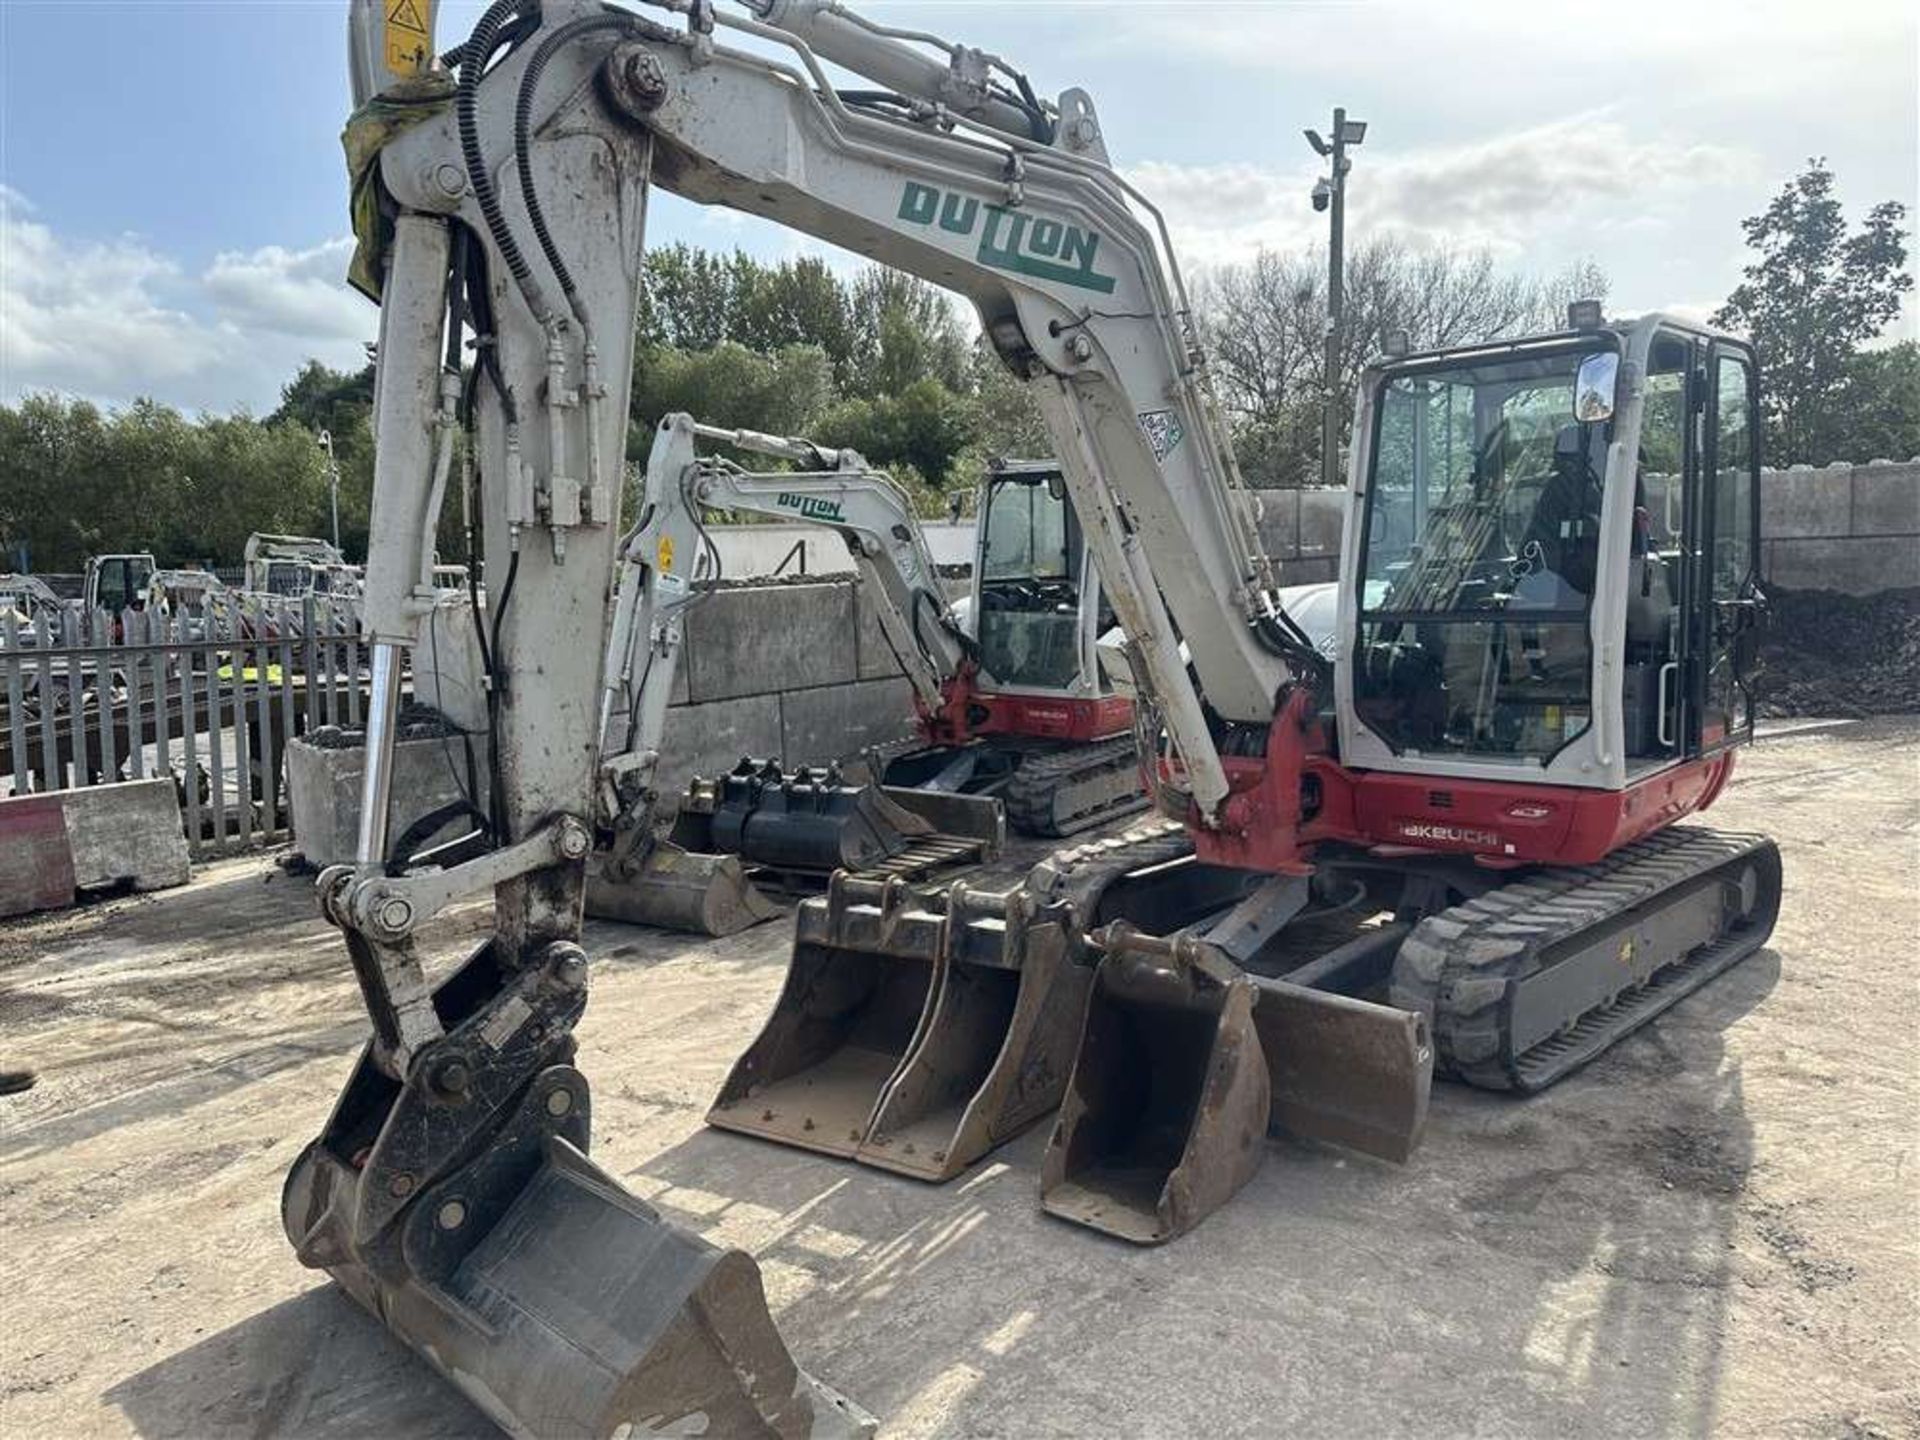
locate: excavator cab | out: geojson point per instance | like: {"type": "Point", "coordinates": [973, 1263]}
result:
{"type": "Point", "coordinates": [1555, 580]}
{"type": "Point", "coordinates": [1036, 598]}
{"type": "Point", "coordinates": [1037, 721]}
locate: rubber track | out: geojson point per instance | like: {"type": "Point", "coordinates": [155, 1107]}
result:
{"type": "Point", "coordinates": [1457, 965]}
{"type": "Point", "coordinates": [1108, 766]}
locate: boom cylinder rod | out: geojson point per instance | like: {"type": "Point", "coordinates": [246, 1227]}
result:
{"type": "Point", "coordinates": [376, 782]}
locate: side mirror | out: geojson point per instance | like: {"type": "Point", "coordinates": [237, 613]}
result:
{"type": "Point", "coordinates": [1057, 487]}
{"type": "Point", "coordinates": [1593, 387]}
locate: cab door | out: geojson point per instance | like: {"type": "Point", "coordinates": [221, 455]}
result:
{"type": "Point", "coordinates": [1725, 596]}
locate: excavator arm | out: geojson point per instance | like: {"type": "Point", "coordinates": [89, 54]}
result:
{"type": "Point", "coordinates": [449, 1190]}
{"type": "Point", "coordinates": [1065, 264]}
{"type": "Point", "coordinates": [638, 877]}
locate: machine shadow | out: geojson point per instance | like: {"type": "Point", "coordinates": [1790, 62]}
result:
{"type": "Point", "coordinates": [1566, 1260]}
{"type": "Point", "coordinates": [315, 1366]}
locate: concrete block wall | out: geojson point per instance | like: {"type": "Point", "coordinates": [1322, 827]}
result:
{"type": "Point", "coordinates": [798, 671]}
{"type": "Point", "coordinates": [1853, 528]}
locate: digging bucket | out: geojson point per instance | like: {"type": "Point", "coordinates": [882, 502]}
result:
{"type": "Point", "coordinates": [562, 1305]}
{"type": "Point", "coordinates": [1185, 1062]}
{"type": "Point", "coordinates": [677, 889]}
{"type": "Point", "coordinates": [993, 1054]}
{"type": "Point", "coordinates": [808, 820]}
{"type": "Point", "coordinates": [1167, 1104]}
{"type": "Point", "coordinates": [867, 962]}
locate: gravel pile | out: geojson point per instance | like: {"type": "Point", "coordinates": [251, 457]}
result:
{"type": "Point", "coordinates": [1828, 654]}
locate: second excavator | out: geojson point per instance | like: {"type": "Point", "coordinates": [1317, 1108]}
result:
{"type": "Point", "coordinates": [1454, 839]}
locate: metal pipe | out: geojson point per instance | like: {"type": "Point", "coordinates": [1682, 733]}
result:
{"type": "Point", "coordinates": [1336, 299]}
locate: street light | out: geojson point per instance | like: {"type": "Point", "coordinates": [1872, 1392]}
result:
{"type": "Point", "coordinates": [333, 482]}
{"type": "Point", "coordinates": [1329, 194]}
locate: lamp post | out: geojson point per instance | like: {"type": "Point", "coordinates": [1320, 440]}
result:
{"type": "Point", "coordinates": [333, 482]}
{"type": "Point", "coordinates": [1330, 194]}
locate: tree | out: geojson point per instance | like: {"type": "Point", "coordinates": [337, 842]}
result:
{"type": "Point", "coordinates": [81, 482]}
{"type": "Point", "coordinates": [1008, 422]}
{"type": "Point", "coordinates": [340, 403]}
{"type": "Point", "coordinates": [925, 426]}
{"type": "Point", "coordinates": [782, 393]}
{"type": "Point", "coordinates": [1265, 323]}
{"type": "Point", "coordinates": [1811, 298]}
{"type": "Point", "coordinates": [905, 330]}
{"type": "Point", "coordinates": [1880, 396]}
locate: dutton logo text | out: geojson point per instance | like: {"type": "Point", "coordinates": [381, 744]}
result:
{"type": "Point", "coordinates": [1011, 239]}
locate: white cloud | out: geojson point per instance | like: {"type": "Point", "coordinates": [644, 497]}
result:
{"type": "Point", "coordinates": [299, 293]}
{"type": "Point", "coordinates": [112, 320]}
{"type": "Point", "coordinates": [1579, 174]}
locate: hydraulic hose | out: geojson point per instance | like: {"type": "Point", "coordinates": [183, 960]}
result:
{"type": "Point", "coordinates": [523, 148]}
{"type": "Point", "coordinates": [473, 60]}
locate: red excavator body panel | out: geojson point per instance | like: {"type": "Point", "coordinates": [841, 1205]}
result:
{"type": "Point", "coordinates": [1498, 822]}
{"type": "Point", "coordinates": [967, 713]}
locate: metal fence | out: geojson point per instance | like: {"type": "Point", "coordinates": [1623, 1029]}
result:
{"type": "Point", "coordinates": [209, 698]}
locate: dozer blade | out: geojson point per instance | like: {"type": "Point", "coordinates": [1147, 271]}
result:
{"type": "Point", "coordinates": [560, 1304]}
{"type": "Point", "coordinates": [917, 1030]}
{"type": "Point", "coordinates": [1185, 1062]}
{"type": "Point", "coordinates": [864, 969]}
{"type": "Point", "coordinates": [681, 890]}
{"type": "Point", "coordinates": [1344, 1071]}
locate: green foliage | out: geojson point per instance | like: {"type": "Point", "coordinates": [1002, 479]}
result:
{"type": "Point", "coordinates": [781, 393]}
{"type": "Point", "coordinates": [1880, 397]}
{"type": "Point", "coordinates": [906, 331]}
{"type": "Point", "coordinates": [924, 426]}
{"type": "Point", "coordinates": [83, 482]}
{"type": "Point", "coordinates": [340, 403]}
{"type": "Point", "coordinates": [1812, 296]}
{"type": "Point", "coordinates": [1010, 422]}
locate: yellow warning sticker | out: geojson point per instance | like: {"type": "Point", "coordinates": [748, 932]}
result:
{"type": "Point", "coordinates": [409, 36]}
{"type": "Point", "coordinates": [666, 552]}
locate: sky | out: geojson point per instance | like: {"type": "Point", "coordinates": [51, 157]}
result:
{"type": "Point", "coordinates": [173, 202]}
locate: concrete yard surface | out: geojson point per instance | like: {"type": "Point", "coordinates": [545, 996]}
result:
{"type": "Point", "coordinates": [1714, 1228]}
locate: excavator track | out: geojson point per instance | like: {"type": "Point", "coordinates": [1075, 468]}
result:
{"type": "Point", "coordinates": [1065, 791]}
{"type": "Point", "coordinates": [1533, 979]}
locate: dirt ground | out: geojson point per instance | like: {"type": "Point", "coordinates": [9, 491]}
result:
{"type": "Point", "coordinates": [1714, 1228]}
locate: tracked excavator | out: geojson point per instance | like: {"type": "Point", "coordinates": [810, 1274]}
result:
{"type": "Point", "coordinates": [1454, 842]}
{"type": "Point", "coordinates": [1011, 709]}
{"type": "Point", "coordinates": [763, 823]}
{"type": "Point", "coordinates": [1032, 715]}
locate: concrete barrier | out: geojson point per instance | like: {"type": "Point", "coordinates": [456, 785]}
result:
{"type": "Point", "coordinates": [798, 671]}
{"type": "Point", "coordinates": [1852, 528]}
{"type": "Point", "coordinates": [323, 790]}
{"type": "Point", "coordinates": [56, 845]}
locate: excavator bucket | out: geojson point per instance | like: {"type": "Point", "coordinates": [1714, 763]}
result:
{"type": "Point", "coordinates": [679, 889]}
{"type": "Point", "coordinates": [1185, 1062]}
{"type": "Point", "coordinates": [916, 1030]}
{"type": "Point", "coordinates": [759, 820]}
{"type": "Point", "coordinates": [865, 967]}
{"type": "Point", "coordinates": [806, 820]}
{"type": "Point", "coordinates": [562, 1305]}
